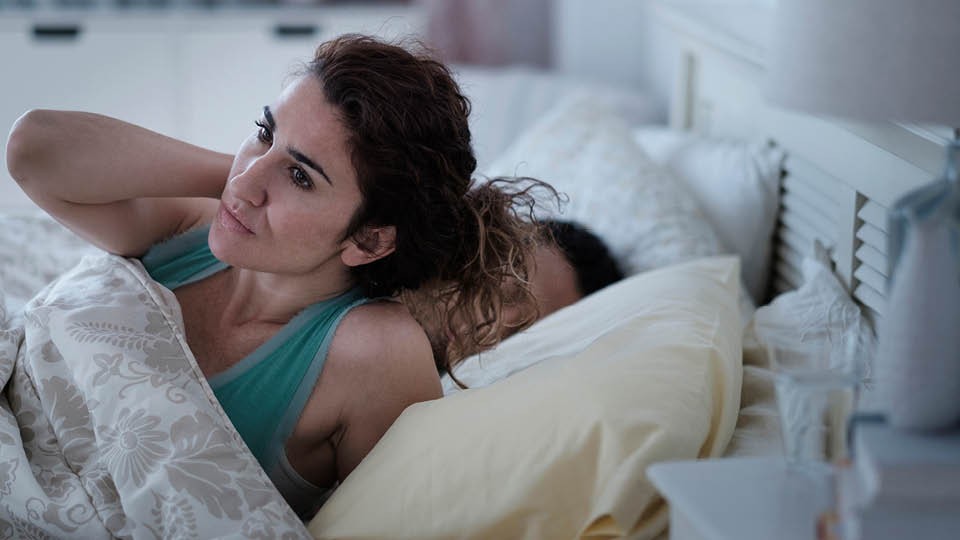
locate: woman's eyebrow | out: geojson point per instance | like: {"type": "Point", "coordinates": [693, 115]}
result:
{"type": "Point", "coordinates": [269, 116]}
{"type": "Point", "coordinates": [296, 154]}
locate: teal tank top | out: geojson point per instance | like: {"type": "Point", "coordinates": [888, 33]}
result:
{"type": "Point", "coordinates": [265, 392]}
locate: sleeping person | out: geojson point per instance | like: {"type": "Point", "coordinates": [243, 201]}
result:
{"type": "Point", "coordinates": [354, 186]}
{"type": "Point", "coordinates": [568, 262]}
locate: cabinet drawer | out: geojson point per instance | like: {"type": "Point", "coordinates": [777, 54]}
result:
{"type": "Point", "coordinates": [120, 72]}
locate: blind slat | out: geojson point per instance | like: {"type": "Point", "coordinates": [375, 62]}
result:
{"type": "Point", "coordinates": [870, 297]}
{"type": "Point", "coordinates": [867, 274]}
{"type": "Point", "coordinates": [873, 236]}
{"type": "Point", "coordinates": [789, 273]}
{"type": "Point", "coordinates": [800, 223]}
{"type": "Point", "coordinates": [808, 175]}
{"type": "Point", "coordinates": [873, 257]}
{"type": "Point", "coordinates": [813, 210]}
{"type": "Point", "coordinates": [874, 214]}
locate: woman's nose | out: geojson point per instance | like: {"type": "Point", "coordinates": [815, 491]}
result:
{"type": "Point", "coordinates": [251, 183]}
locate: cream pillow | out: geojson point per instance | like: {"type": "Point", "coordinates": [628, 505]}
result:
{"type": "Point", "coordinates": [645, 370]}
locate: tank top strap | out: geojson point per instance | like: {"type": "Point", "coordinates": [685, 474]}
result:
{"type": "Point", "coordinates": [265, 393]}
{"type": "Point", "coordinates": [182, 259]}
{"type": "Point", "coordinates": [299, 399]}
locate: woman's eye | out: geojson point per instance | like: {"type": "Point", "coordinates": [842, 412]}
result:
{"type": "Point", "coordinates": [300, 178]}
{"type": "Point", "coordinates": [263, 133]}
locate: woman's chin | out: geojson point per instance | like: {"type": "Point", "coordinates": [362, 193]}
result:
{"type": "Point", "coordinates": [220, 245]}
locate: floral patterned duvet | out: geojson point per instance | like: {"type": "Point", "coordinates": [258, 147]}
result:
{"type": "Point", "coordinates": [107, 426]}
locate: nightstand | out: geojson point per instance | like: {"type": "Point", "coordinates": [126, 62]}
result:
{"type": "Point", "coordinates": [900, 484]}
{"type": "Point", "coordinates": [743, 498]}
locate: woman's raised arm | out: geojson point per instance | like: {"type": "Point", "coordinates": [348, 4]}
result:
{"type": "Point", "coordinates": [118, 185]}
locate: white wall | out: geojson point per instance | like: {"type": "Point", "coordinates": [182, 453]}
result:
{"type": "Point", "coordinates": [615, 41]}
{"type": "Point", "coordinates": [199, 76]}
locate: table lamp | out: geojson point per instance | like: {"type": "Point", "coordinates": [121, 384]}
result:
{"type": "Point", "coordinates": [893, 60]}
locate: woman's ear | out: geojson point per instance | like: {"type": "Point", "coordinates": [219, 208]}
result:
{"type": "Point", "coordinates": [368, 245]}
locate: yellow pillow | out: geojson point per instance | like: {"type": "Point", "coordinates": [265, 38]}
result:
{"type": "Point", "coordinates": [559, 450]}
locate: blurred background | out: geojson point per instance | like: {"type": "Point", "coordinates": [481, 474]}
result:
{"type": "Point", "coordinates": [201, 70]}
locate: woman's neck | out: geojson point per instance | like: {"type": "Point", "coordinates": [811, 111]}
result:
{"type": "Point", "coordinates": [259, 297]}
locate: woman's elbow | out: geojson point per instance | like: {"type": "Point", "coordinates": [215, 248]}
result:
{"type": "Point", "coordinates": [24, 143]}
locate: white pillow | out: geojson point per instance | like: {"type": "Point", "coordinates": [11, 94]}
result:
{"type": "Point", "coordinates": [507, 101]}
{"type": "Point", "coordinates": [736, 183]}
{"type": "Point", "coordinates": [821, 316]}
{"type": "Point", "coordinates": [584, 149]}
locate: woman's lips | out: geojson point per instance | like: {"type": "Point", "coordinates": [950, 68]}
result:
{"type": "Point", "coordinates": [231, 222]}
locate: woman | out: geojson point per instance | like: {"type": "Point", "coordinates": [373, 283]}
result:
{"type": "Point", "coordinates": [354, 187]}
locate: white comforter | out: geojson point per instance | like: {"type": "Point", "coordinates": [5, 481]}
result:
{"type": "Point", "coordinates": [107, 425]}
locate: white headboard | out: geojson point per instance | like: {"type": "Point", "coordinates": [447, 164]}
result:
{"type": "Point", "coordinates": [840, 176]}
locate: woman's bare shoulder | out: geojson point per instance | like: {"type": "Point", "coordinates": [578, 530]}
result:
{"type": "Point", "coordinates": [380, 350]}
{"type": "Point", "coordinates": [381, 336]}
{"type": "Point", "coordinates": [382, 363]}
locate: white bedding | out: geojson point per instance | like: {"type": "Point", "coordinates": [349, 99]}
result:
{"type": "Point", "coordinates": [107, 426]}
{"type": "Point", "coordinates": [34, 250]}
{"type": "Point", "coordinates": [506, 101]}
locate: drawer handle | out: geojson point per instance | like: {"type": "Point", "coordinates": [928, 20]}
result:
{"type": "Point", "coordinates": [295, 30]}
{"type": "Point", "coordinates": [56, 32]}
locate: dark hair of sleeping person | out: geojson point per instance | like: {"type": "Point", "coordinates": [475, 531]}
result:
{"type": "Point", "coordinates": [567, 263]}
{"type": "Point", "coordinates": [457, 241]}
{"type": "Point", "coordinates": [589, 256]}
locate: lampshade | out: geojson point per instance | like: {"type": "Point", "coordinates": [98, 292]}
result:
{"type": "Point", "coordinates": [868, 59]}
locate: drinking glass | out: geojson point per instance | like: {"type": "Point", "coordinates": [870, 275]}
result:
{"type": "Point", "coordinates": [815, 384]}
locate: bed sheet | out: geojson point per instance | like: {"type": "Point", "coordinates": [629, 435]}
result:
{"type": "Point", "coordinates": [34, 250]}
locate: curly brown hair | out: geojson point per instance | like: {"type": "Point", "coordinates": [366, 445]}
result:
{"type": "Point", "coordinates": [462, 246]}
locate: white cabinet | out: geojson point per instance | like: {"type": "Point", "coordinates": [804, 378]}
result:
{"type": "Point", "coordinates": [202, 76]}
{"type": "Point", "coordinates": [753, 498]}
{"type": "Point", "coordinates": [105, 68]}
{"type": "Point", "coordinates": [233, 72]}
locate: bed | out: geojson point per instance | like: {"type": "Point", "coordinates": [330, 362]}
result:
{"type": "Point", "coordinates": [560, 422]}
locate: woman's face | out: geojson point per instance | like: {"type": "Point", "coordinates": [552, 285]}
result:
{"type": "Point", "coordinates": [292, 189]}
